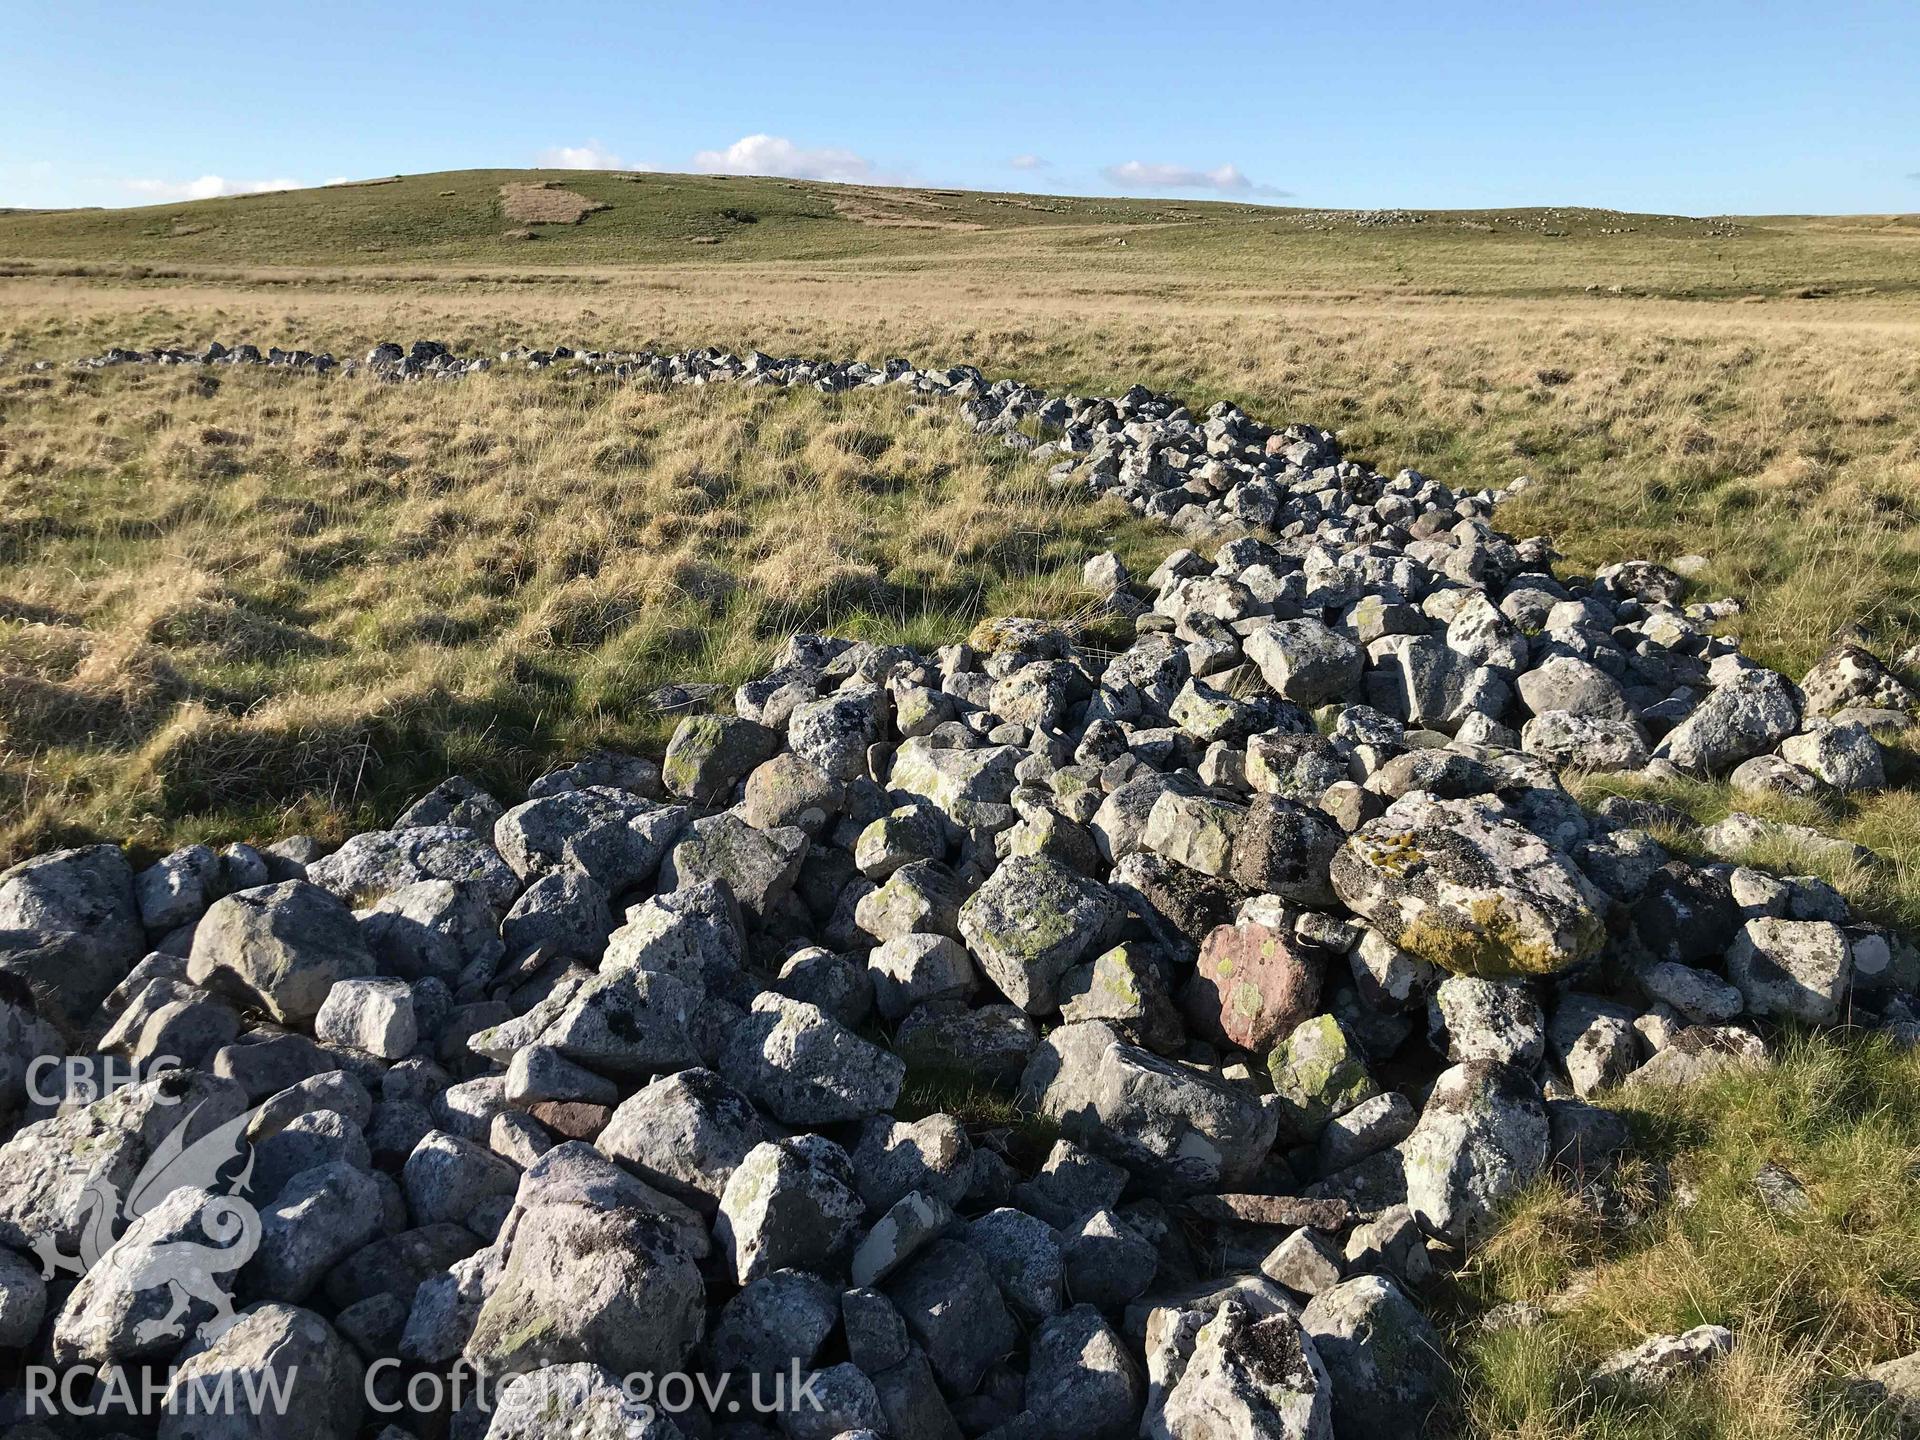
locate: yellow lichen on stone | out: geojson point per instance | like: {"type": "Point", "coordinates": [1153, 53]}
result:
{"type": "Point", "coordinates": [1393, 854]}
{"type": "Point", "coordinates": [1490, 943]}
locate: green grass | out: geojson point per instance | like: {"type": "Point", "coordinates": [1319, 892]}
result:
{"type": "Point", "coordinates": [1811, 1297]}
{"type": "Point", "coordinates": [1886, 822]}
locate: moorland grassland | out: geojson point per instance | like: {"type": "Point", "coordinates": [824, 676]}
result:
{"type": "Point", "coordinates": [237, 603]}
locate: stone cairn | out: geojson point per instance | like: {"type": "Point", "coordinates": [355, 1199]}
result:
{"type": "Point", "coordinates": [1278, 927]}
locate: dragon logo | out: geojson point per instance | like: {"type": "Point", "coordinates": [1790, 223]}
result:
{"type": "Point", "coordinates": [185, 1267]}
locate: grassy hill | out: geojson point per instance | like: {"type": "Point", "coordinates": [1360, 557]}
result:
{"type": "Point", "coordinates": [468, 218]}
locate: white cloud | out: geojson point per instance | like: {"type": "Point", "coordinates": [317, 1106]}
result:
{"type": "Point", "coordinates": [1028, 162]}
{"type": "Point", "coordinates": [1225, 180]}
{"type": "Point", "coordinates": [208, 187]}
{"type": "Point", "coordinates": [590, 156]}
{"type": "Point", "coordinates": [776, 155]}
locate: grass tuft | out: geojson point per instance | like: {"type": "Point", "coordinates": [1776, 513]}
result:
{"type": "Point", "coordinates": [1684, 1237]}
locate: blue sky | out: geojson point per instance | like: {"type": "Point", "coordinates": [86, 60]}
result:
{"type": "Point", "coordinates": [1696, 108]}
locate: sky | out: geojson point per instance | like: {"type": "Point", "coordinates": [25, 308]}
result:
{"type": "Point", "coordinates": [1691, 107]}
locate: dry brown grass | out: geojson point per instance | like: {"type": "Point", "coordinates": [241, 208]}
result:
{"type": "Point", "coordinates": [238, 608]}
{"type": "Point", "coordinates": [1781, 439]}
{"type": "Point", "coordinates": [273, 600]}
{"type": "Point", "coordinates": [546, 204]}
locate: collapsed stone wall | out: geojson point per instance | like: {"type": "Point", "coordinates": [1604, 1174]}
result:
{"type": "Point", "coordinates": [1279, 923]}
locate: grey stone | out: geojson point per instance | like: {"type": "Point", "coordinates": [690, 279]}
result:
{"type": "Point", "coordinates": [953, 781]}
{"type": "Point", "coordinates": [281, 946]}
{"type": "Point", "coordinates": [919, 899]}
{"type": "Point", "coordinates": [1294, 767]}
{"type": "Point", "coordinates": [1249, 1378]}
{"type": "Point", "coordinates": [1791, 969]}
{"type": "Point", "coordinates": [23, 1301]}
{"type": "Point", "coordinates": [70, 926]}
{"type": "Point", "coordinates": [1304, 1262]}
{"type": "Point", "coordinates": [1660, 1360]}
{"type": "Point", "coordinates": [447, 1177]}
{"type": "Point", "coordinates": [1285, 848]}
{"type": "Point", "coordinates": [1368, 1128]}
{"type": "Point", "coordinates": [906, 834]}
{"type": "Point", "coordinates": [758, 866]}
{"type": "Point", "coordinates": [565, 912]}
{"type": "Point", "coordinates": [626, 1022]}
{"type": "Point", "coordinates": [1585, 742]}
{"type": "Point", "coordinates": [600, 1267]}
{"type": "Point", "coordinates": [291, 1349]}
{"type": "Point", "coordinates": [788, 790]}
{"type": "Point", "coordinates": [1318, 1075]}
{"type": "Point", "coordinates": [991, 1044]}
{"type": "Point", "coordinates": [954, 1312]}
{"type": "Point", "coordinates": [540, 1072]}
{"type": "Point", "coordinates": [1749, 715]}
{"type": "Point", "coordinates": [1387, 1365]}
{"type": "Point", "coordinates": [372, 1014]}
{"type": "Point", "coordinates": [1701, 996]}
{"type": "Point", "coordinates": [1850, 675]}
{"type": "Point", "coordinates": [1022, 1252]}
{"type": "Point", "coordinates": [1306, 662]}
{"type": "Point", "coordinates": [1033, 921]}
{"type": "Point", "coordinates": [913, 969]}
{"type": "Point", "coordinates": [780, 1318]}
{"type": "Point", "coordinates": [592, 1399]}
{"type": "Point", "coordinates": [1482, 1135]}
{"type": "Point", "coordinates": [432, 927]}
{"type": "Point", "coordinates": [1594, 1041]}
{"type": "Point", "coordinates": [695, 935]}
{"type": "Point", "coordinates": [909, 1225]}
{"type": "Point", "coordinates": [709, 754]}
{"type": "Point", "coordinates": [379, 862]}
{"type": "Point", "coordinates": [614, 837]}
{"type": "Point", "coordinates": [1197, 831]}
{"type": "Point", "coordinates": [1126, 987]}
{"type": "Point", "coordinates": [1575, 686]}
{"type": "Point", "coordinates": [454, 801]}
{"type": "Point", "coordinates": [1179, 1129]}
{"type": "Point", "coordinates": [789, 1204]}
{"type": "Point", "coordinates": [1082, 1381]}
{"type": "Point", "coordinates": [177, 889]}
{"type": "Point", "coordinates": [876, 1335]}
{"type": "Point", "coordinates": [833, 734]}
{"type": "Point", "coordinates": [842, 1402]}
{"type": "Point", "coordinates": [1845, 756]}
{"type": "Point", "coordinates": [165, 1018]}
{"type": "Point", "coordinates": [1456, 885]}
{"type": "Point", "coordinates": [1105, 1260]}
{"type": "Point", "coordinates": [321, 1216]}
{"type": "Point", "coordinates": [805, 1067]}
{"type": "Point", "coordinates": [1474, 1019]}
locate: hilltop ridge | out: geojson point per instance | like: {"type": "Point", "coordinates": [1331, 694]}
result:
{"type": "Point", "coordinates": [609, 218]}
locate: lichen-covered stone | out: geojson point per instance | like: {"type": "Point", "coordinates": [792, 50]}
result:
{"type": "Point", "coordinates": [1482, 1135]}
{"type": "Point", "coordinates": [1471, 893]}
{"type": "Point", "coordinates": [1317, 1074]}
{"type": "Point", "coordinates": [1252, 985]}
{"type": "Point", "coordinates": [1033, 921]}
{"type": "Point", "coordinates": [709, 754]}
